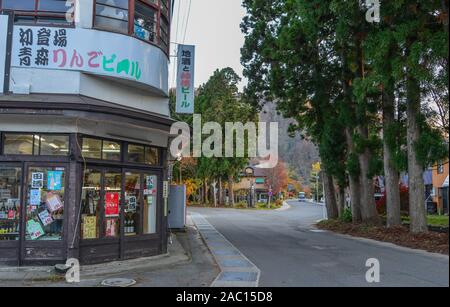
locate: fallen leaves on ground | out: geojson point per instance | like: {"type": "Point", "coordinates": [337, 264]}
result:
{"type": "Point", "coordinates": [431, 241]}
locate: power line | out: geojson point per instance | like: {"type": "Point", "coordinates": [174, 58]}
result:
{"type": "Point", "coordinates": [187, 21]}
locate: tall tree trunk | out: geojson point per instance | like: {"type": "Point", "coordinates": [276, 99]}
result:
{"type": "Point", "coordinates": [391, 175]}
{"type": "Point", "coordinates": [214, 192]}
{"type": "Point", "coordinates": [205, 191]}
{"type": "Point", "coordinates": [330, 196]}
{"type": "Point", "coordinates": [354, 183]}
{"type": "Point", "coordinates": [220, 192]}
{"type": "Point", "coordinates": [341, 200]}
{"type": "Point", "coordinates": [416, 184]}
{"type": "Point", "coordinates": [230, 190]}
{"type": "Point", "coordinates": [369, 212]}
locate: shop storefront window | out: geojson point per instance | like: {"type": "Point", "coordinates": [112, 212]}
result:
{"type": "Point", "coordinates": [113, 192]}
{"type": "Point", "coordinates": [101, 149]}
{"type": "Point", "coordinates": [53, 145]}
{"type": "Point", "coordinates": [10, 191]}
{"type": "Point", "coordinates": [111, 151]}
{"type": "Point", "coordinates": [42, 144]}
{"type": "Point", "coordinates": [91, 198]}
{"type": "Point", "coordinates": [112, 15]}
{"type": "Point", "coordinates": [18, 144]}
{"type": "Point", "coordinates": [92, 148]}
{"type": "Point", "coordinates": [132, 203]}
{"type": "Point", "coordinates": [151, 156]}
{"type": "Point", "coordinates": [136, 153]}
{"type": "Point", "coordinates": [143, 154]}
{"type": "Point", "coordinates": [45, 203]}
{"type": "Point", "coordinates": [150, 203]}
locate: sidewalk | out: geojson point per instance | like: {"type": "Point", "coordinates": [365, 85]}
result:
{"type": "Point", "coordinates": [186, 264]}
{"type": "Point", "coordinates": [236, 269]}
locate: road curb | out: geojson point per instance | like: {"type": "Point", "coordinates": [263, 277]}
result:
{"type": "Point", "coordinates": [285, 207]}
{"type": "Point", "coordinates": [236, 269]}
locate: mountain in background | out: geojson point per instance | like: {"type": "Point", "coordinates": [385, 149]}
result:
{"type": "Point", "coordinates": [298, 153]}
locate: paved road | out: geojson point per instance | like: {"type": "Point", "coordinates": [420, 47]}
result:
{"type": "Point", "coordinates": [287, 250]}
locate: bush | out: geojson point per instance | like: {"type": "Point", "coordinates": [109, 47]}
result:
{"type": "Point", "coordinates": [241, 205]}
{"type": "Point", "coordinates": [404, 202]}
{"type": "Point", "coordinates": [347, 216]}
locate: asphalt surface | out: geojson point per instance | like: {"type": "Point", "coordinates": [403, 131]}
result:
{"type": "Point", "coordinates": [288, 250]}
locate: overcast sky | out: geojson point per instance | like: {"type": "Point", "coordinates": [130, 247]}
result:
{"type": "Point", "coordinates": [213, 28]}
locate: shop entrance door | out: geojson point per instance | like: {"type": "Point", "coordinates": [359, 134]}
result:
{"type": "Point", "coordinates": [142, 212]}
{"type": "Point", "coordinates": [43, 226]}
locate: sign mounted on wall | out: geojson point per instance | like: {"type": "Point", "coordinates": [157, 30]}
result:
{"type": "Point", "coordinates": [3, 49]}
{"type": "Point", "coordinates": [91, 51]}
{"type": "Point", "coordinates": [185, 79]}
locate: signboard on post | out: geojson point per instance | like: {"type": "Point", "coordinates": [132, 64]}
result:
{"type": "Point", "coordinates": [4, 20]}
{"type": "Point", "coordinates": [185, 79]}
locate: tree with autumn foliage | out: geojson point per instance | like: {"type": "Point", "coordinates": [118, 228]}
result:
{"type": "Point", "coordinates": [277, 178]}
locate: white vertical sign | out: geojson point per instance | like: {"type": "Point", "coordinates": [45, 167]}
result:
{"type": "Point", "coordinates": [3, 40]}
{"type": "Point", "coordinates": [185, 79]}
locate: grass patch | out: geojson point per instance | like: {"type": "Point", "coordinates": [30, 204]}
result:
{"type": "Point", "coordinates": [432, 220]}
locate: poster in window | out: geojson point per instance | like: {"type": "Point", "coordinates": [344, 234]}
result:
{"type": "Point", "coordinates": [110, 227]}
{"type": "Point", "coordinates": [35, 197]}
{"type": "Point", "coordinates": [45, 218]}
{"type": "Point", "coordinates": [34, 229]}
{"type": "Point", "coordinates": [132, 203]}
{"type": "Point", "coordinates": [37, 180]}
{"type": "Point", "coordinates": [54, 180]}
{"type": "Point", "coordinates": [112, 204]}
{"type": "Point", "coordinates": [54, 202]}
{"type": "Point", "coordinates": [89, 227]}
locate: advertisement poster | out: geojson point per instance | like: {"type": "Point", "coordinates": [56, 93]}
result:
{"type": "Point", "coordinates": [89, 227]}
{"type": "Point", "coordinates": [54, 180]}
{"type": "Point", "coordinates": [37, 180]}
{"type": "Point", "coordinates": [34, 229]}
{"type": "Point", "coordinates": [110, 227]}
{"type": "Point", "coordinates": [45, 218]}
{"type": "Point", "coordinates": [53, 202]}
{"type": "Point", "coordinates": [132, 203]}
{"type": "Point", "coordinates": [35, 197]}
{"type": "Point", "coordinates": [112, 204]}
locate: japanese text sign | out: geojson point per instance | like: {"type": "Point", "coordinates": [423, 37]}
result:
{"type": "Point", "coordinates": [91, 51]}
{"type": "Point", "coordinates": [185, 79]}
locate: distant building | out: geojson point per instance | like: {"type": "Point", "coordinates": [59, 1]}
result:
{"type": "Point", "coordinates": [440, 185]}
{"type": "Point", "coordinates": [255, 177]}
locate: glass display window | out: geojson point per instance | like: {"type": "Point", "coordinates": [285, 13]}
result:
{"type": "Point", "coordinates": [45, 203]}
{"type": "Point", "coordinates": [132, 218]}
{"type": "Point", "coordinates": [91, 204]}
{"type": "Point", "coordinates": [112, 197]}
{"type": "Point", "coordinates": [10, 202]}
{"type": "Point", "coordinates": [150, 203]}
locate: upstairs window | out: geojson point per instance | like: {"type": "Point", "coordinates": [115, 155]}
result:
{"type": "Point", "coordinates": [145, 21]}
{"type": "Point", "coordinates": [48, 12]}
{"type": "Point", "coordinates": [112, 15]}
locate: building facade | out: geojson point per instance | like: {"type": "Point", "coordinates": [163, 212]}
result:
{"type": "Point", "coordinates": [84, 129]}
{"type": "Point", "coordinates": [440, 186]}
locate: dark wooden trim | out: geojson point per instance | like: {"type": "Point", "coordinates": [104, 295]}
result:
{"type": "Point", "coordinates": [86, 111]}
